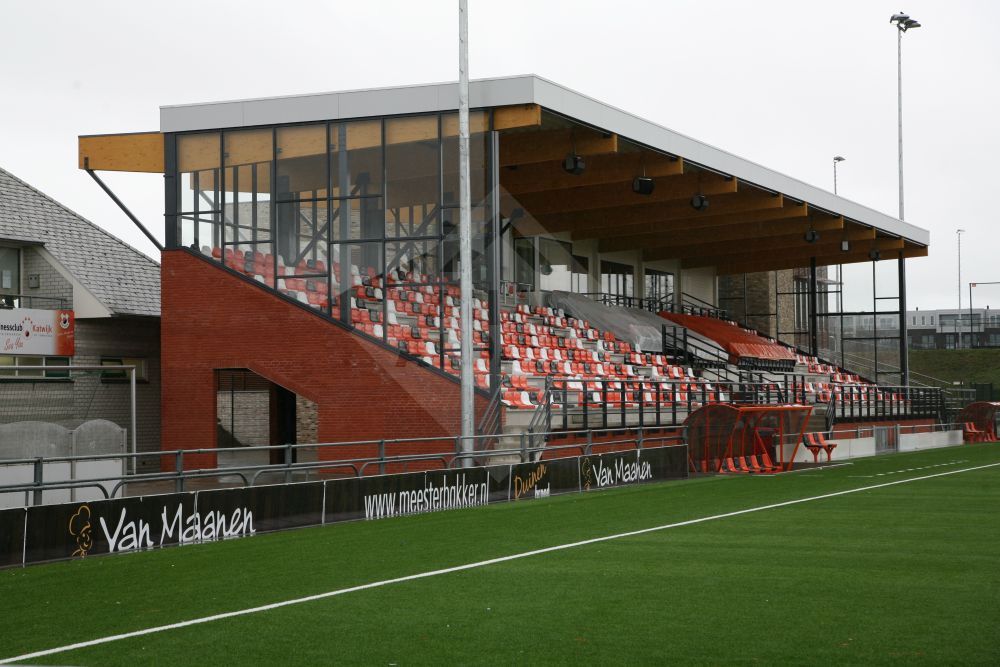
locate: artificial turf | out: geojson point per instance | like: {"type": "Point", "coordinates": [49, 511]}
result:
{"type": "Point", "coordinates": [899, 573]}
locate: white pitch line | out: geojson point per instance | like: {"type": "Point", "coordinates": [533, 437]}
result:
{"type": "Point", "coordinates": [467, 566]}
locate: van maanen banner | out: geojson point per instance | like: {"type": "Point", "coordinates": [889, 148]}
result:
{"type": "Point", "coordinates": [121, 525]}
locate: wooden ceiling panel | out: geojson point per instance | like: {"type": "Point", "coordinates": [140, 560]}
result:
{"type": "Point", "coordinates": [546, 145]}
{"type": "Point", "coordinates": [648, 218]}
{"type": "Point", "coordinates": [601, 169]}
{"type": "Point", "coordinates": [620, 194]}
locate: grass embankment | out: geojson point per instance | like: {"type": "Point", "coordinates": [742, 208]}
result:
{"type": "Point", "coordinates": [973, 366]}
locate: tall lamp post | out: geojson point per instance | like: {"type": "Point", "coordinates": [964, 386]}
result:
{"type": "Point", "coordinates": [840, 267]}
{"type": "Point", "coordinates": [836, 159]}
{"type": "Point", "coordinates": [468, 395]}
{"type": "Point", "coordinates": [958, 233]}
{"type": "Point", "coordinates": [903, 23]}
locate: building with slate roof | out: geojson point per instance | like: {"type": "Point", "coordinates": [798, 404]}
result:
{"type": "Point", "coordinates": [52, 259]}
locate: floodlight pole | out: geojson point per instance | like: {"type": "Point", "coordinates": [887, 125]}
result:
{"type": "Point", "coordinates": [971, 333]}
{"type": "Point", "coordinates": [840, 267]}
{"type": "Point", "coordinates": [899, 98]}
{"type": "Point", "coordinates": [958, 328]}
{"type": "Point", "coordinates": [465, 233]}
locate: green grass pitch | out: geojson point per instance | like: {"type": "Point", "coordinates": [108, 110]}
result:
{"type": "Point", "coordinates": [898, 574]}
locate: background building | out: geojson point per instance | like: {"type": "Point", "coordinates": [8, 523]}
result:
{"type": "Point", "coordinates": [51, 259]}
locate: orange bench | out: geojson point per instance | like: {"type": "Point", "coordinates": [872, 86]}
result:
{"type": "Point", "coordinates": [816, 443]}
{"type": "Point", "coordinates": [973, 434]}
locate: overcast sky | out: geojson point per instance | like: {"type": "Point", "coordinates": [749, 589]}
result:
{"type": "Point", "coordinates": [786, 84]}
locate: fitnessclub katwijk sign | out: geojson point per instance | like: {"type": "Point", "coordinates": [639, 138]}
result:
{"type": "Point", "coordinates": [41, 333]}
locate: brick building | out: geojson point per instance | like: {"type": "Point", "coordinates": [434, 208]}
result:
{"type": "Point", "coordinates": [311, 256]}
{"type": "Point", "coordinates": [52, 259]}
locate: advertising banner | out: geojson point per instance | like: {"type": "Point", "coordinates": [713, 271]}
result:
{"type": "Point", "coordinates": [77, 530]}
{"type": "Point", "coordinates": [601, 471]}
{"type": "Point", "coordinates": [272, 507]}
{"type": "Point", "coordinates": [343, 500]}
{"type": "Point", "coordinates": [544, 478]}
{"type": "Point", "coordinates": [11, 536]}
{"type": "Point", "coordinates": [499, 483]}
{"type": "Point", "coordinates": [37, 332]}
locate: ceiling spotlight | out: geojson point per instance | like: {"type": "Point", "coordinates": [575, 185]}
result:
{"type": "Point", "coordinates": [699, 202]}
{"type": "Point", "coordinates": [812, 236]}
{"type": "Point", "coordinates": [875, 255]}
{"type": "Point", "coordinates": [845, 246]}
{"type": "Point", "coordinates": [574, 164]}
{"type": "Point", "coordinates": [643, 185]}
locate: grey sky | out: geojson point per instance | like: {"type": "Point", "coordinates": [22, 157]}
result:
{"type": "Point", "coordinates": [786, 84]}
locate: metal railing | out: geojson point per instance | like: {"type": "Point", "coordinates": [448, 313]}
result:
{"type": "Point", "coordinates": [642, 403]}
{"type": "Point", "coordinates": [9, 301]}
{"type": "Point", "coordinates": [339, 460]}
{"type": "Point", "coordinates": [514, 293]}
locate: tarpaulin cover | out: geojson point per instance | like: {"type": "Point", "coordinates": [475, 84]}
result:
{"type": "Point", "coordinates": [733, 339]}
{"type": "Point", "coordinates": [626, 324]}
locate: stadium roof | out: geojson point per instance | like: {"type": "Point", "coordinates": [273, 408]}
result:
{"type": "Point", "coordinates": [123, 280]}
{"type": "Point", "coordinates": [754, 209]}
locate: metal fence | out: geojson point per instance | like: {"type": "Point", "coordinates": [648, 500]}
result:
{"type": "Point", "coordinates": [309, 462]}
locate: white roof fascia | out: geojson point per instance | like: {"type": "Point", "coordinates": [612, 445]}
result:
{"type": "Point", "coordinates": [85, 303]}
{"type": "Point", "coordinates": [524, 89]}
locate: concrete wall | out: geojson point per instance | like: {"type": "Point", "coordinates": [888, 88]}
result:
{"type": "Point", "coordinates": [699, 283]}
{"type": "Point", "coordinates": [912, 442]}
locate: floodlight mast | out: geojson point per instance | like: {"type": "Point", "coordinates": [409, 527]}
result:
{"type": "Point", "coordinates": [468, 395]}
{"type": "Point", "coordinates": [903, 23]}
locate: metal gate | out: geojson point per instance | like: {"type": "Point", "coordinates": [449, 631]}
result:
{"type": "Point", "coordinates": [886, 438]}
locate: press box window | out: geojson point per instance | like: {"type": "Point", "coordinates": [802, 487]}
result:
{"type": "Point", "coordinates": [121, 375]}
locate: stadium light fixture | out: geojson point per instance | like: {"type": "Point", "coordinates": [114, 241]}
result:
{"type": "Point", "coordinates": [812, 236]}
{"type": "Point", "coordinates": [875, 254]}
{"type": "Point", "coordinates": [699, 202]}
{"type": "Point", "coordinates": [574, 164]}
{"type": "Point", "coordinates": [643, 185]}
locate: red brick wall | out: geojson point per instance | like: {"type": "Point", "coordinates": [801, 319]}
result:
{"type": "Point", "coordinates": [212, 319]}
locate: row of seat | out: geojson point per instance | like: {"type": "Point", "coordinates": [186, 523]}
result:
{"type": "Point", "coordinates": [410, 312]}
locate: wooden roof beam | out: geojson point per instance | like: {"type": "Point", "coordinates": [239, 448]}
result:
{"type": "Point", "coordinates": [760, 238]}
{"type": "Point", "coordinates": [613, 195]}
{"type": "Point", "coordinates": [601, 169]}
{"type": "Point", "coordinates": [546, 145]}
{"type": "Point", "coordinates": [647, 218]}
{"type": "Point", "coordinates": [139, 152]}
{"type": "Point", "coordinates": [670, 236]}
{"type": "Point", "coordinates": [777, 264]}
{"type": "Point", "coordinates": [517, 116]}
{"type": "Point", "coordinates": [825, 254]}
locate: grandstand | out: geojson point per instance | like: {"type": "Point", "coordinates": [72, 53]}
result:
{"type": "Point", "coordinates": [312, 242]}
